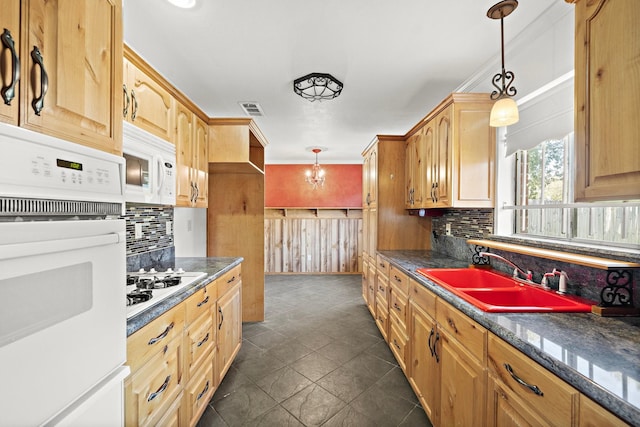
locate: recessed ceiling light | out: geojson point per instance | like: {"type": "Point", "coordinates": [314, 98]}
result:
{"type": "Point", "coordinates": [184, 4]}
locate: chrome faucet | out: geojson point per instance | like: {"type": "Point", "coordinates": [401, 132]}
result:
{"type": "Point", "coordinates": [528, 275]}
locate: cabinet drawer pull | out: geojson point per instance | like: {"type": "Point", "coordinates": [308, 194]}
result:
{"type": "Point", "coordinates": [396, 344]}
{"type": "Point", "coordinates": [452, 324]}
{"type": "Point", "coordinates": [127, 103]}
{"type": "Point", "coordinates": [204, 301]}
{"type": "Point", "coordinates": [159, 391]}
{"type": "Point", "coordinates": [160, 337]}
{"type": "Point", "coordinates": [204, 340]}
{"type": "Point", "coordinates": [396, 306]}
{"type": "Point", "coordinates": [9, 92]}
{"type": "Point", "coordinates": [399, 280]}
{"type": "Point", "coordinates": [38, 103]}
{"type": "Point", "coordinates": [203, 392]}
{"type": "Point", "coordinates": [233, 279]}
{"type": "Point", "coordinates": [134, 111]}
{"type": "Point", "coordinates": [533, 388]}
{"type": "Point", "coordinates": [221, 318]}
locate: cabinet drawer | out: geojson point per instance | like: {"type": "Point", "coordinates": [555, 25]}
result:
{"type": "Point", "coordinates": [555, 400]}
{"type": "Point", "coordinates": [467, 332]}
{"type": "Point", "coordinates": [199, 392]}
{"type": "Point", "coordinates": [153, 388]}
{"type": "Point", "coordinates": [382, 318]}
{"type": "Point", "coordinates": [154, 336]}
{"type": "Point", "coordinates": [399, 279]}
{"type": "Point", "coordinates": [200, 302]}
{"type": "Point", "coordinates": [423, 298]}
{"type": "Point", "coordinates": [398, 306]}
{"type": "Point", "coordinates": [382, 265]}
{"type": "Point", "coordinates": [228, 280]}
{"type": "Point", "coordinates": [382, 288]}
{"type": "Point", "coordinates": [200, 340]}
{"type": "Point", "coordinates": [398, 344]}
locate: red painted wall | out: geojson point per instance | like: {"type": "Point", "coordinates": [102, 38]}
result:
{"type": "Point", "coordinates": [285, 187]}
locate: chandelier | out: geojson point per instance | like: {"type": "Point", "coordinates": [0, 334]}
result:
{"type": "Point", "coordinates": [505, 110]}
{"type": "Point", "coordinates": [317, 87]}
{"type": "Point", "coordinates": [315, 176]}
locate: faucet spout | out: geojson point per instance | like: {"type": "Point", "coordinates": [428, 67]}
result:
{"type": "Point", "coordinates": [528, 275]}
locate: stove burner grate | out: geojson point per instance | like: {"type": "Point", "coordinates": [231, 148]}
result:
{"type": "Point", "coordinates": [138, 295]}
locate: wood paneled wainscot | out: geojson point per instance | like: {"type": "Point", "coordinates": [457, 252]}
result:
{"type": "Point", "coordinates": [179, 359]}
{"type": "Point", "coordinates": [70, 56]}
{"type": "Point", "coordinates": [298, 240]}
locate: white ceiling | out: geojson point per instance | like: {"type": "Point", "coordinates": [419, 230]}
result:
{"type": "Point", "coordinates": [397, 60]}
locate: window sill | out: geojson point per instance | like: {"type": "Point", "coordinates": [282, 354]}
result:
{"type": "Point", "coordinates": [600, 257]}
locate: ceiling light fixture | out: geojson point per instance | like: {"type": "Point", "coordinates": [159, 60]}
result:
{"type": "Point", "coordinates": [184, 4]}
{"type": "Point", "coordinates": [315, 176]}
{"type": "Point", "coordinates": [505, 110]}
{"type": "Point", "coordinates": [317, 87]}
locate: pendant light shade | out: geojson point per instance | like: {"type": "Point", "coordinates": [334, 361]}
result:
{"type": "Point", "coordinates": [504, 113]}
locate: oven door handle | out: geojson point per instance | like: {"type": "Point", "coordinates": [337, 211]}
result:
{"type": "Point", "coordinates": [19, 250]}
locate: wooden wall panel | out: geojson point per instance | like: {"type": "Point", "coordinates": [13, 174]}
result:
{"type": "Point", "coordinates": [312, 245]}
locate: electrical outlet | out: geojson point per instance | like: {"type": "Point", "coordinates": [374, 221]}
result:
{"type": "Point", "coordinates": [138, 230]}
{"type": "Point", "coordinates": [169, 228]}
{"type": "Point", "coordinates": [447, 229]}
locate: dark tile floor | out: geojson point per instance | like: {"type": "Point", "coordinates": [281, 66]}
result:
{"type": "Point", "coordinates": [317, 359]}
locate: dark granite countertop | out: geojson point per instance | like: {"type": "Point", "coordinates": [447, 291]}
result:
{"type": "Point", "coordinates": [598, 356]}
{"type": "Point", "coordinates": [214, 267]}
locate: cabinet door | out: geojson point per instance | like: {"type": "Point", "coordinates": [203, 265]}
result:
{"type": "Point", "coordinates": [151, 104]}
{"type": "Point", "coordinates": [200, 162]}
{"type": "Point", "coordinates": [430, 171]}
{"type": "Point", "coordinates": [80, 43]}
{"type": "Point", "coordinates": [442, 159]}
{"type": "Point", "coordinates": [424, 370]}
{"type": "Point", "coordinates": [607, 84]}
{"type": "Point", "coordinates": [10, 23]}
{"type": "Point", "coordinates": [185, 189]}
{"type": "Point", "coordinates": [506, 410]}
{"type": "Point", "coordinates": [594, 415]}
{"type": "Point", "coordinates": [229, 328]}
{"type": "Point", "coordinates": [462, 386]}
{"type": "Point", "coordinates": [373, 178]}
{"type": "Point", "coordinates": [409, 170]}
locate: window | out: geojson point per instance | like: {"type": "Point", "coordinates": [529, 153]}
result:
{"type": "Point", "coordinates": [544, 201]}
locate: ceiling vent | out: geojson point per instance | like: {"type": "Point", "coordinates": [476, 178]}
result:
{"type": "Point", "coordinates": [252, 109]}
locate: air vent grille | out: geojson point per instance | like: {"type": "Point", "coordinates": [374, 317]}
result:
{"type": "Point", "coordinates": [252, 109]}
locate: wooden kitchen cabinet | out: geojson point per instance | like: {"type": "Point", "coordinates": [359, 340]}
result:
{"type": "Point", "coordinates": [386, 224]}
{"type": "Point", "coordinates": [155, 355]}
{"type": "Point", "coordinates": [178, 360]}
{"type": "Point", "coordinates": [607, 87]}
{"type": "Point", "coordinates": [544, 400]}
{"type": "Point", "coordinates": [190, 137]}
{"type": "Point", "coordinates": [235, 218]}
{"type": "Point", "coordinates": [147, 101]}
{"type": "Point", "coordinates": [456, 154]}
{"type": "Point", "coordinates": [415, 169]}
{"type": "Point", "coordinates": [229, 323]}
{"type": "Point", "coordinates": [70, 54]}
{"type": "Point", "coordinates": [424, 370]}
{"type": "Point", "coordinates": [593, 415]}
{"type": "Point", "coordinates": [9, 60]}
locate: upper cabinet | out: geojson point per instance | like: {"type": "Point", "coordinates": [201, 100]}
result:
{"type": "Point", "coordinates": [69, 57]}
{"type": "Point", "coordinates": [147, 103]}
{"type": "Point", "coordinates": [450, 155]}
{"type": "Point", "coordinates": [191, 157]}
{"type": "Point", "coordinates": [237, 145]}
{"type": "Point", "coordinates": [607, 90]}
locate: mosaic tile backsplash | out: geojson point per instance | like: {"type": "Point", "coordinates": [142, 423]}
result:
{"type": "Point", "coordinates": [154, 221]}
{"type": "Point", "coordinates": [466, 223]}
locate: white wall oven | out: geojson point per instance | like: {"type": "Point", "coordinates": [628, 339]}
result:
{"type": "Point", "coordinates": [62, 265]}
{"type": "Point", "coordinates": [150, 167]}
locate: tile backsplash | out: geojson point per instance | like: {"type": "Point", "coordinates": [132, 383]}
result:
{"type": "Point", "coordinates": [155, 247]}
{"type": "Point", "coordinates": [466, 223]}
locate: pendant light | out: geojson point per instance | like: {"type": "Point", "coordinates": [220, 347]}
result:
{"type": "Point", "coordinates": [505, 110]}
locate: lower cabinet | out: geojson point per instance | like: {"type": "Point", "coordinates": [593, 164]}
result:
{"type": "Point", "coordinates": [463, 375]}
{"type": "Point", "coordinates": [179, 359]}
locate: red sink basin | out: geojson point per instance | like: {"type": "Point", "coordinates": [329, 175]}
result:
{"type": "Point", "coordinates": [494, 292]}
